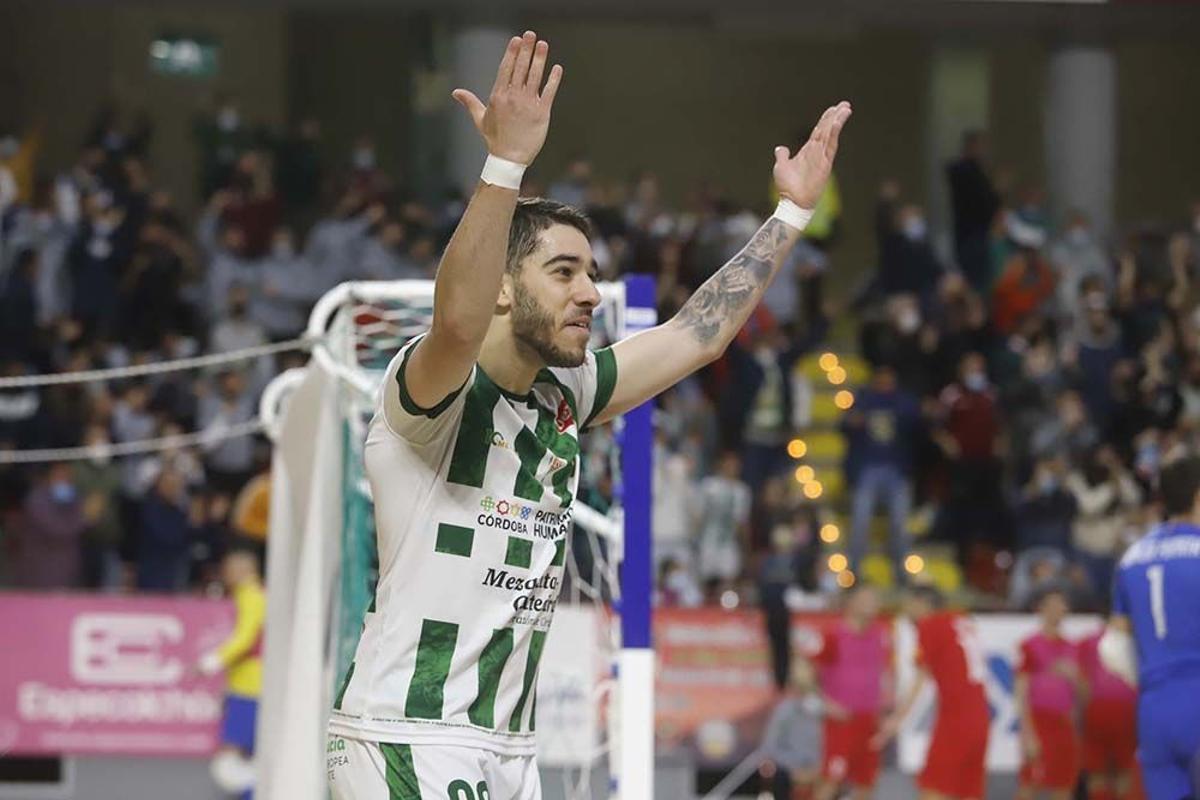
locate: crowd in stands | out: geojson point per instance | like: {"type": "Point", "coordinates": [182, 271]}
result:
{"type": "Point", "coordinates": [1025, 387]}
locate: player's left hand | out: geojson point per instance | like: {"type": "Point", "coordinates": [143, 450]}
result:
{"type": "Point", "coordinates": [802, 178]}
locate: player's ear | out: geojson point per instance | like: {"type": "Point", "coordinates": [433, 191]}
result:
{"type": "Point", "coordinates": [504, 301]}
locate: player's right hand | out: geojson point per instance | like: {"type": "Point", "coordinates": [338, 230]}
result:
{"type": "Point", "coordinates": [515, 120]}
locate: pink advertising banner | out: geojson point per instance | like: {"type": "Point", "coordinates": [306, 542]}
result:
{"type": "Point", "coordinates": [93, 674]}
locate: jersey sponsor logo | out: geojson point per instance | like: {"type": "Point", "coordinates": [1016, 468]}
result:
{"type": "Point", "coordinates": [498, 440]}
{"type": "Point", "coordinates": [501, 523]}
{"type": "Point", "coordinates": [506, 507]}
{"type": "Point", "coordinates": [538, 595]}
{"type": "Point", "coordinates": [507, 514]}
{"type": "Point", "coordinates": [563, 419]}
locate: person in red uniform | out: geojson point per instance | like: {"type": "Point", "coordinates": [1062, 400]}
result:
{"type": "Point", "coordinates": [855, 675]}
{"type": "Point", "coordinates": [1047, 689]}
{"type": "Point", "coordinates": [948, 653]}
{"type": "Point", "coordinates": [1109, 728]}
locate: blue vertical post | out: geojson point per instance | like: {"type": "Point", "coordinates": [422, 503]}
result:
{"type": "Point", "coordinates": [634, 776]}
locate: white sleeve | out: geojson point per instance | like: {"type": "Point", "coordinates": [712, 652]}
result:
{"type": "Point", "coordinates": [404, 417]}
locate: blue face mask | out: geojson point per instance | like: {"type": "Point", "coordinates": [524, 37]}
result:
{"type": "Point", "coordinates": [62, 492]}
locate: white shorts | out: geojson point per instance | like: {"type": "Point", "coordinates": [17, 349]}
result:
{"type": "Point", "coordinates": [361, 770]}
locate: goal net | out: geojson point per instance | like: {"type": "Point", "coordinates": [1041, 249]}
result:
{"type": "Point", "coordinates": [594, 703]}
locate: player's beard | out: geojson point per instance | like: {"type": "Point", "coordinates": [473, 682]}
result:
{"type": "Point", "coordinates": [534, 327]}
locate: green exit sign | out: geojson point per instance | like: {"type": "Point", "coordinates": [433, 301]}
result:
{"type": "Point", "coordinates": [187, 56]}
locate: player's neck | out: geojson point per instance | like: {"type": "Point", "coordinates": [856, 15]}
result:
{"type": "Point", "coordinates": [1051, 631]}
{"type": "Point", "coordinates": [856, 624]}
{"type": "Point", "coordinates": [511, 366]}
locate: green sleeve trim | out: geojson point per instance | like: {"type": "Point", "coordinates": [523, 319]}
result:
{"type": "Point", "coordinates": [606, 381]}
{"type": "Point", "coordinates": [411, 405]}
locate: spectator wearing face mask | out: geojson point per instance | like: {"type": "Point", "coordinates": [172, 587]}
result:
{"type": "Point", "coordinates": [238, 331]}
{"type": "Point", "coordinates": [222, 137]}
{"type": "Point", "coordinates": [968, 433]}
{"type": "Point", "coordinates": [385, 257]}
{"type": "Point", "coordinates": [287, 289]}
{"type": "Point", "coordinates": [1105, 496]}
{"type": "Point", "coordinates": [1076, 256]}
{"type": "Point", "coordinates": [1094, 349]}
{"type": "Point", "coordinates": [907, 263]}
{"type": "Point", "coordinates": [48, 534]}
{"type": "Point", "coordinates": [1045, 508]}
{"type": "Point", "coordinates": [99, 483]}
{"type": "Point", "coordinates": [169, 526]}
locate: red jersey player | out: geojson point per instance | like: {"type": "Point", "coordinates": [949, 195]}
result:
{"type": "Point", "coordinates": [1109, 728]}
{"type": "Point", "coordinates": [855, 673]}
{"type": "Point", "coordinates": [1047, 688]}
{"type": "Point", "coordinates": [948, 652]}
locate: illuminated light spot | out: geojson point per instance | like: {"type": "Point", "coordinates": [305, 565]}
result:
{"type": "Point", "coordinates": [827, 361]}
{"type": "Point", "coordinates": [914, 564]}
{"type": "Point", "coordinates": [813, 490]}
{"type": "Point", "coordinates": [845, 579]}
{"type": "Point", "coordinates": [844, 399]}
{"type": "Point", "coordinates": [797, 448]}
{"type": "Point", "coordinates": [805, 473]}
{"type": "Point", "coordinates": [830, 533]}
{"type": "Point", "coordinates": [730, 599]}
{"type": "Point", "coordinates": [836, 376]}
{"type": "Point", "coordinates": [838, 562]}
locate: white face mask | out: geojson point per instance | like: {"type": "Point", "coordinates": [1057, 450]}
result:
{"type": "Point", "coordinates": [976, 381]}
{"type": "Point", "coordinates": [1078, 236]}
{"type": "Point", "coordinates": [914, 229]}
{"type": "Point", "coordinates": [228, 119]}
{"type": "Point", "coordinates": [908, 321]}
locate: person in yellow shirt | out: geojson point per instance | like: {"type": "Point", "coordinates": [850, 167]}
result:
{"type": "Point", "coordinates": [240, 657]}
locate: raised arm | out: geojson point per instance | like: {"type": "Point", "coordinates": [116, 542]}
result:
{"type": "Point", "coordinates": [514, 126]}
{"type": "Point", "coordinates": [658, 358]}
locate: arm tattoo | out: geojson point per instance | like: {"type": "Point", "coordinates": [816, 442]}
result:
{"type": "Point", "coordinates": [726, 294]}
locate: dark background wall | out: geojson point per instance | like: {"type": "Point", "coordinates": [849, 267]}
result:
{"type": "Point", "coordinates": [693, 100]}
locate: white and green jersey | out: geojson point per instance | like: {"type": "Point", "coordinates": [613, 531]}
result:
{"type": "Point", "coordinates": [472, 507]}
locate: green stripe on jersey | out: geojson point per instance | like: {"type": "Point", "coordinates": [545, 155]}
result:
{"type": "Point", "coordinates": [519, 553]}
{"type": "Point", "coordinates": [454, 540]}
{"type": "Point", "coordinates": [337, 704]}
{"type": "Point", "coordinates": [536, 642]}
{"type": "Point", "coordinates": [606, 381]}
{"type": "Point", "coordinates": [469, 461]}
{"type": "Point", "coordinates": [491, 665]}
{"type": "Point", "coordinates": [434, 651]}
{"type": "Point", "coordinates": [401, 775]}
{"type": "Point", "coordinates": [560, 553]}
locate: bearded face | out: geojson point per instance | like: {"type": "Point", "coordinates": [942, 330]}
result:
{"type": "Point", "coordinates": [553, 297]}
{"type": "Point", "coordinates": [535, 327]}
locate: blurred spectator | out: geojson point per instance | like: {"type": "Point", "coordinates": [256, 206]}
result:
{"type": "Point", "coordinates": [1045, 509]}
{"type": "Point", "coordinates": [236, 330]}
{"type": "Point", "coordinates": [222, 137]}
{"type": "Point", "coordinates": [677, 585]}
{"type": "Point", "coordinates": [287, 290]}
{"type": "Point", "coordinates": [1094, 351]}
{"type": "Point", "coordinates": [573, 188]}
{"type": "Point", "coordinates": [1077, 256]}
{"type": "Point", "coordinates": [778, 575]}
{"type": "Point", "coordinates": [384, 256]}
{"type": "Point", "coordinates": [1026, 282]}
{"type": "Point", "coordinates": [907, 263]}
{"type": "Point", "coordinates": [19, 309]}
{"type": "Point", "coordinates": [968, 434]}
{"type": "Point", "coordinates": [169, 523]}
{"type": "Point", "coordinates": [250, 517]}
{"type": "Point", "coordinates": [724, 523]}
{"type": "Point", "coordinates": [229, 461]}
{"type": "Point", "coordinates": [48, 532]}
{"type": "Point", "coordinates": [881, 431]}
{"type": "Point", "coordinates": [1068, 434]}
{"type": "Point", "coordinates": [674, 516]}
{"type": "Point", "coordinates": [791, 746]}
{"type": "Point", "coordinates": [18, 159]}
{"type": "Point", "coordinates": [1105, 495]}
{"type": "Point", "coordinates": [99, 481]}
{"type": "Point", "coordinates": [974, 202]}
{"type": "Point", "coordinates": [298, 170]}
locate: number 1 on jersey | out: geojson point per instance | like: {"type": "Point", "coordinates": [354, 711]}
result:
{"type": "Point", "coordinates": [1154, 574]}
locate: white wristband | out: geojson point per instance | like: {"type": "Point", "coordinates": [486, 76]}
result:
{"type": "Point", "coordinates": [503, 173]}
{"type": "Point", "coordinates": [792, 214]}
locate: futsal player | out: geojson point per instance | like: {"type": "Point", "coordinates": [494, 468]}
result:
{"type": "Point", "coordinates": [1153, 635]}
{"type": "Point", "coordinates": [1109, 728]}
{"type": "Point", "coordinates": [854, 664]}
{"type": "Point", "coordinates": [1047, 690]}
{"type": "Point", "coordinates": [948, 654]}
{"type": "Point", "coordinates": [473, 456]}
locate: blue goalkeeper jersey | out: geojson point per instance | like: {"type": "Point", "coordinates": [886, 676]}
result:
{"type": "Point", "coordinates": [1157, 586]}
